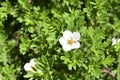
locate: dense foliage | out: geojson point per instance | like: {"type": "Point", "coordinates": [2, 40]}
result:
{"type": "Point", "coordinates": [32, 29]}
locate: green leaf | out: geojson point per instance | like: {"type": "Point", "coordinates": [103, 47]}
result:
{"type": "Point", "coordinates": [108, 61]}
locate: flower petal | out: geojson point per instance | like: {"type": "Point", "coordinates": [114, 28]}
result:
{"type": "Point", "coordinates": [76, 45]}
{"type": "Point", "coordinates": [62, 41]}
{"type": "Point", "coordinates": [27, 67]}
{"type": "Point", "coordinates": [32, 62]}
{"type": "Point", "coordinates": [76, 36]}
{"type": "Point", "coordinates": [66, 47]}
{"type": "Point", "coordinates": [67, 35]}
{"type": "Point", "coordinates": [113, 41]}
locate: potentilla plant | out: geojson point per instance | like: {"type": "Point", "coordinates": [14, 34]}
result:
{"type": "Point", "coordinates": [84, 51]}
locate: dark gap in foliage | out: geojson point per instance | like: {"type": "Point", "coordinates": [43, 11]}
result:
{"type": "Point", "coordinates": [84, 4]}
{"type": "Point", "coordinates": [50, 15]}
{"type": "Point", "coordinates": [41, 3]}
{"type": "Point", "coordinates": [86, 20]}
{"type": "Point", "coordinates": [2, 1]}
{"type": "Point", "coordinates": [11, 25]}
{"type": "Point", "coordinates": [85, 14]}
{"type": "Point", "coordinates": [13, 2]}
{"type": "Point", "coordinates": [0, 4]}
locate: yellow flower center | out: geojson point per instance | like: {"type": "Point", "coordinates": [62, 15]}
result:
{"type": "Point", "coordinates": [70, 42]}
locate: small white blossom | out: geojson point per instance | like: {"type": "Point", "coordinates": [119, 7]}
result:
{"type": "Point", "coordinates": [115, 41]}
{"type": "Point", "coordinates": [69, 40]}
{"type": "Point", "coordinates": [29, 66]}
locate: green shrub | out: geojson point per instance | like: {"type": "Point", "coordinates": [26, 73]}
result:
{"type": "Point", "coordinates": [31, 29]}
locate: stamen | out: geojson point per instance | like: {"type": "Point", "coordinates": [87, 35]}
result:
{"type": "Point", "coordinates": [70, 42]}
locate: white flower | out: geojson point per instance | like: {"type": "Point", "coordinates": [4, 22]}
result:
{"type": "Point", "coordinates": [115, 41]}
{"type": "Point", "coordinates": [69, 40]}
{"type": "Point", "coordinates": [29, 66]}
